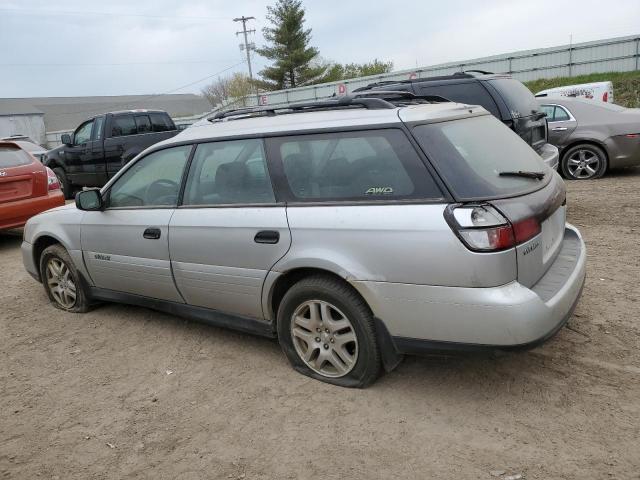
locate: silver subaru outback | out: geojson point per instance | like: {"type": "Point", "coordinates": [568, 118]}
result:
{"type": "Point", "coordinates": [353, 230]}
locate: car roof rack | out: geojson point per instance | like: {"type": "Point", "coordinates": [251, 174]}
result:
{"type": "Point", "coordinates": [465, 73]}
{"type": "Point", "coordinates": [372, 100]}
{"type": "Point", "coordinates": [481, 72]}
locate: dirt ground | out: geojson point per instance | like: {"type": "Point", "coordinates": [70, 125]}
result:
{"type": "Point", "coordinates": [126, 392]}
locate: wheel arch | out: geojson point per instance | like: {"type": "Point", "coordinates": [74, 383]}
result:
{"type": "Point", "coordinates": [285, 280]}
{"type": "Point", "coordinates": [40, 244]}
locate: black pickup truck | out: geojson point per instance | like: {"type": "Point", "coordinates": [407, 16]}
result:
{"type": "Point", "coordinates": [103, 144]}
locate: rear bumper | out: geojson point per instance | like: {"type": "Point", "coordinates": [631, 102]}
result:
{"type": "Point", "coordinates": [15, 214]}
{"type": "Point", "coordinates": [550, 155]}
{"type": "Point", "coordinates": [427, 318]}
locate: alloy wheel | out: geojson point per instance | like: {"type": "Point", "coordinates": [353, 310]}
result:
{"type": "Point", "coordinates": [583, 164]}
{"type": "Point", "coordinates": [324, 338]}
{"type": "Point", "coordinates": [60, 283]}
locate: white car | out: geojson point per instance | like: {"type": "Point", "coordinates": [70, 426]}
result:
{"type": "Point", "coordinates": [598, 91]}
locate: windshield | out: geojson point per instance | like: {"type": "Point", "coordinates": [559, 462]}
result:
{"type": "Point", "coordinates": [13, 157]}
{"type": "Point", "coordinates": [471, 153]}
{"type": "Point", "coordinates": [519, 99]}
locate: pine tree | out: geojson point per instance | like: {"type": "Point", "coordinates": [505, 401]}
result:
{"type": "Point", "coordinates": [288, 47]}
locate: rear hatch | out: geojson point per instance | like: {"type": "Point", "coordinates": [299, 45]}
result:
{"type": "Point", "coordinates": [21, 176]}
{"type": "Point", "coordinates": [527, 118]}
{"type": "Point", "coordinates": [484, 163]}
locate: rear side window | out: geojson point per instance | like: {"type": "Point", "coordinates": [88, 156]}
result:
{"type": "Point", "coordinates": [472, 93]}
{"type": "Point", "coordinates": [160, 122]}
{"type": "Point", "coordinates": [470, 154]}
{"type": "Point", "coordinates": [123, 125]}
{"type": "Point", "coordinates": [13, 157]}
{"type": "Point", "coordinates": [365, 165]}
{"type": "Point", "coordinates": [549, 111]}
{"type": "Point", "coordinates": [561, 115]}
{"type": "Point", "coordinates": [143, 124]}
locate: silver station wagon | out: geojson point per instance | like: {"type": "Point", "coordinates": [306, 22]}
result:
{"type": "Point", "coordinates": [354, 230]}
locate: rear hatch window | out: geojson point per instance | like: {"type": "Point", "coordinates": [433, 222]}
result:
{"type": "Point", "coordinates": [471, 153]}
{"type": "Point", "coordinates": [11, 156]}
{"type": "Point", "coordinates": [519, 99]}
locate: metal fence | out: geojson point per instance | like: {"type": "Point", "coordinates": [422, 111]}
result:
{"type": "Point", "coordinates": [610, 55]}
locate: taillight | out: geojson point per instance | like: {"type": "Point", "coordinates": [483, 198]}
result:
{"type": "Point", "coordinates": [526, 229]}
{"type": "Point", "coordinates": [482, 228]}
{"type": "Point", "coordinates": [632, 135]}
{"type": "Point", "coordinates": [52, 180]}
{"type": "Point", "coordinates": [605, 96]}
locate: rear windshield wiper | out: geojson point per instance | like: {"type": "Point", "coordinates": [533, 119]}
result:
{"type": "Point", "coordinates": [521, 173]}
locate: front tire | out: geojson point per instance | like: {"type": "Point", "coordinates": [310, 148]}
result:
{"type": "Point", "coordinates": [327, 332]}
{"type": "Point", "coordinates": [61, 280]}
{"type": "Point", "coordinates": [584, 162]}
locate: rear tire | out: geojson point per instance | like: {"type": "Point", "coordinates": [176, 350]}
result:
{"type": "Point", "coordinates": [327, 332]}
{"type": "Point", "coordinates": [61, 280]}
{"type": "Point", "coordinates": [584, 162]}
{"type": "Point", "coordinates": [65, 186]}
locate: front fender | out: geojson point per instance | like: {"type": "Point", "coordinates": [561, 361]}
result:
{"type": "Point", "coordinates": [61, 225]}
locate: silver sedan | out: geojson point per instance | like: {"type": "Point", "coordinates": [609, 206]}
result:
{"type": "Point", "coordinates": [592, 136]}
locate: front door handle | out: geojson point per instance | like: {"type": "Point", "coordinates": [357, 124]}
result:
{"type": "Point", "coordinates": [267, 236]}
{"type": "Point", "coordinates": [152, 233]}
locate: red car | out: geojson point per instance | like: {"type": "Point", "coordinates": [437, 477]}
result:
{"type": "Point", "coordinates": [26, 186]}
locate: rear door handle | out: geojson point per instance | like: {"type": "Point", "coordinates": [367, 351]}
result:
{"type": "Point", "coordinates": [267, 236]}
{"type": "Point", "coordinates": [559, 129]}
{"type": "Point", "coordinates": [152, 233]}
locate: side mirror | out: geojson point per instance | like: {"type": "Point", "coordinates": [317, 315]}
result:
{"type": "Point", "coordinates": [89, 200]}
{"type": "Point", "coordinates": [66, 139]}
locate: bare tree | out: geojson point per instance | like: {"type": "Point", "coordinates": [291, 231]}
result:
{"type": "Point", "coordinates": [232, 90]}
{"type": "Point", "coordinates": [217, 91]}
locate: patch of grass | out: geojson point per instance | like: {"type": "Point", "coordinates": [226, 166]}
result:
{"type": "Point", "coordinates": [626, 85]}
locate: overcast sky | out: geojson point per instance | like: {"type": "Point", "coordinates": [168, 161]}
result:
{"type": "Point", "coordinates": [90, 47]}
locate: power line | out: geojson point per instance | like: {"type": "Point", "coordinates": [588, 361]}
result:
{"type": "Point", "coordinates": [104, 64]}
{"type": "Point", "coordinates": [104, 14]}
{"type": "Point", "coordinates": [150, 97]}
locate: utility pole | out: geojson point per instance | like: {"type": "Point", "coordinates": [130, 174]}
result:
{"type": "Point", "coordinates": [247, 46]}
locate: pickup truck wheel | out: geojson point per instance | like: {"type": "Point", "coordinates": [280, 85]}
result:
{"type": "Point", "coordinates": [67, 189]}
{"type": "Point", "coordinates": [583, 162]}
{"type": "Point", "coordinates": [327, 332]}
{"type": "Point", "coordinates": [61, 280]}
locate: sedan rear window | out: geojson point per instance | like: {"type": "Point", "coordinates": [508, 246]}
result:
{"type": "Point", "coordinates": [13, 157]}
{"type": "Point", "coordinates": [471, 153]}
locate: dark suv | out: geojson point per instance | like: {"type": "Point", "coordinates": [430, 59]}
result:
{"type": "Point", "coordinates": [102, 145]}
{"type": "Point", "coordinates": [505, 97]}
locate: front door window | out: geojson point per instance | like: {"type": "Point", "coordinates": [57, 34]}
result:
{"type": "Point", "coordinates": [153, 181]}
{"type": "Point", "coordinates": [83, 134]}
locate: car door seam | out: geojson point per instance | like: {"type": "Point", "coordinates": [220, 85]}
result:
{"type": "Point", "coordinates": [173, 277]}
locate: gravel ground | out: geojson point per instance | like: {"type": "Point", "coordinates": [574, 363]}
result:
{"type": "Point", "coordinates": [126, 392]}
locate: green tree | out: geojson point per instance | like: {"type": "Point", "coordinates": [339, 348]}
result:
{"type": "Point", "coordinates": [339, 71]}
{"type": "Point", "coordinates": [288, 47]}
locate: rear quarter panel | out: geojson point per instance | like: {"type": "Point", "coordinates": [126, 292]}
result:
{"type": "Point", "coordinates": [403, 243]}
